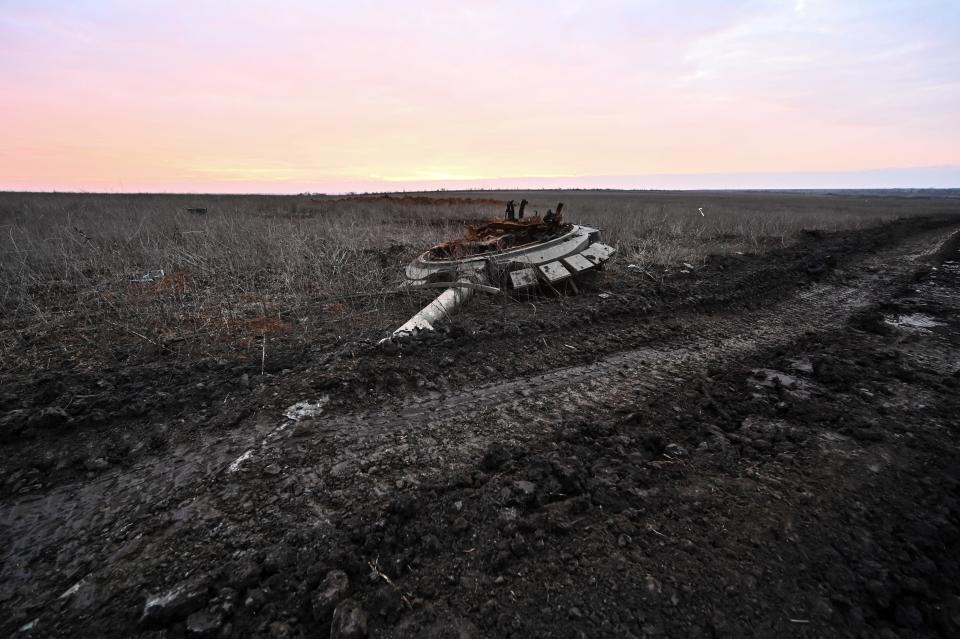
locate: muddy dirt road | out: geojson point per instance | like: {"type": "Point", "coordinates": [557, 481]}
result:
{"type": "Point", "coordinates": [767, 445]}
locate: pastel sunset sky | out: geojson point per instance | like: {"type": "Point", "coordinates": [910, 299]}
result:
{"type": "Point", "coordinates": [285, 97]}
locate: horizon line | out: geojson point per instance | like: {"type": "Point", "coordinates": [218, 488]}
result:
{"type": "Point", "coordinates": [937, 177]}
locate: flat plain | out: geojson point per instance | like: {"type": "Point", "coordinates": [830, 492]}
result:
{"type": "Point", "coordinates": [745, 425]}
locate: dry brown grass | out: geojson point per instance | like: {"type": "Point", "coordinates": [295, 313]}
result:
{"type": "Point", "coordinates": [292, 268]}
{"type": "Point", "coordinates": [666, 227]}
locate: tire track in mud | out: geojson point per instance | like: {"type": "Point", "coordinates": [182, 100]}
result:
{"type": "Point", "coordinates": [422, 438]}
{"type": "Point", "coordinates": [819, 307]}
{"type": "Point", "coordinates": [112, 512]}
{"type": "Point", "coordinates": [801, 489]}
{"type": "Point", "coordinates": [634, 312]}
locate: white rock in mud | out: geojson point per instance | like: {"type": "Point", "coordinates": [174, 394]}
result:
{"type": "Point", "coordinates": [29, 626]}
{"type": "Point", "coordinates": [176, 603]}
{"type": "Point", "coordinates": [306, 409]}
{"type": "Point", "coordinates": [81, 595]}
{"type": "Point", "coordinates": [915, 321]}
{"type": "Point", "coordinates": [675, 450]}
{"type": "Point", "coordinates": [72, 590]}
{"type": "Point", "coordinates": [237, 463]}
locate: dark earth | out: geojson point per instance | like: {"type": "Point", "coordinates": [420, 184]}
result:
{"type": "Point", "coordinates": [767, 445]}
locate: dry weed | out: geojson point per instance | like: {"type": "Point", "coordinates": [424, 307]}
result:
{"type": "Point", "coordinates": [255, 268]}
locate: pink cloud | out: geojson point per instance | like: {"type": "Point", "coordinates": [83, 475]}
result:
{"type": "Point", "coordinates": [250, 96]}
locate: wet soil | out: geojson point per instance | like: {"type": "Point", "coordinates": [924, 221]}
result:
{"type": "Point", "coordinates": [757, 446]}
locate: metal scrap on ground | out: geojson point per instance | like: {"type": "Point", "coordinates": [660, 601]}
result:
{"type": "Point", "coordinates": [149, 276]}
{"type": "Point", "coordinates": [506, 253]}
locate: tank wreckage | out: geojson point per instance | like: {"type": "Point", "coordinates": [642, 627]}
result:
{"type": "Point", "coordinates": [512, 253]}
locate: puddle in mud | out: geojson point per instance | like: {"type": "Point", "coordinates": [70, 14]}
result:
{"type": "Point", "coordinates": [913, 321]}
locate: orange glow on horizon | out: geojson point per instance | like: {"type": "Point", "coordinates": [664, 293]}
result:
{"type": "Point", "coordinates": [383, 96]}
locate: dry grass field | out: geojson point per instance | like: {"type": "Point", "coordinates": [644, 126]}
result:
{"type": "Point", "coordinates": [744, 425]}
{"type": "Point", "coordinates": [291, 269]}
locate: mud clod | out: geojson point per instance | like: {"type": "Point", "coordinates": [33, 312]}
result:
{"type": "Point", "coordinates": [243, 573]}
{"type": "Point", "coordinates": [204, 623]}
{"type": "Point", "coordinates": [96, 464]}
{"type": "Point", "coordinates": [349, 621]}
{"type": "Point", "coordinates": [329, 593]}
{"type": "Point", "coordinates": [460, 525]}
{"type": "Point", "coordinates": [495, 457]}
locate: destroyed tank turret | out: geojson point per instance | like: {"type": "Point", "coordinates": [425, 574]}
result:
{"type": "Point", "coordinates": [505, 254]}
